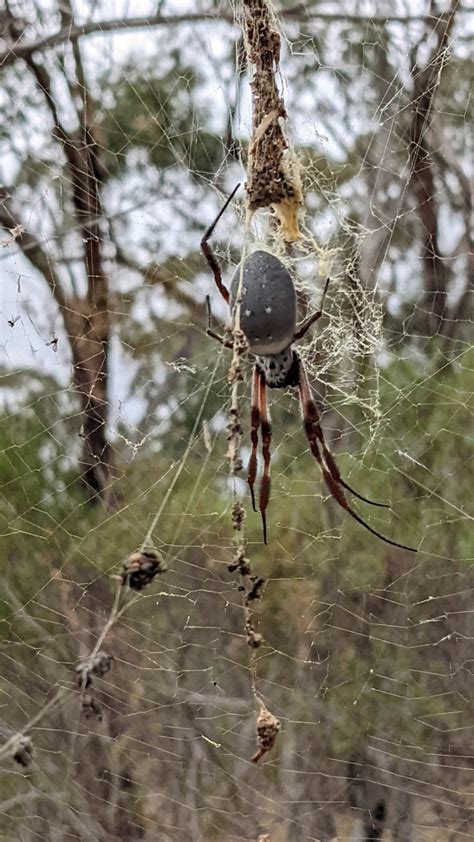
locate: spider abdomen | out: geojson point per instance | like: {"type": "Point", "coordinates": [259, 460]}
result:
{"type": "Point", "coordinates": [268, 304]}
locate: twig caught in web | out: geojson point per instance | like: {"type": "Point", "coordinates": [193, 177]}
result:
{"type": "Point", "coordinates": [18, 746]}
{"type": "Point", "coordinates": [18, 740]}
{"type": "Point", "coordinates": [240, 562]}
{"type": "Point", "coordinates": [138, 570]}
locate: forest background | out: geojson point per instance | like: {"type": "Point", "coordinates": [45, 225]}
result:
{"type": "Point", "coordinates": [123, 127]}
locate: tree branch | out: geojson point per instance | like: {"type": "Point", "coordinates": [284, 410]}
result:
{"type": "Point", "coordinates": [154, 273]}
{"type": "Point", "coordinates": [447, 161]}
{"type": "Point", "coordinates": [31, 248]}
{"type": "Point", "coordinates": [297, 13]}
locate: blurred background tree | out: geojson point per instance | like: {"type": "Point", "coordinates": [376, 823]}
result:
{"type": "Point", "coordinates": [121, 131]}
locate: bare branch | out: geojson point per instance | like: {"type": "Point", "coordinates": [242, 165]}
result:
{"type": "Point", "coordinates": [448, 162]}
{"type": "Point", "coordinates": [72, 33]}
{"type": "Point", "coordinates": [31, 247]}
{"type": "Point", "coordinates": [153, 273]}
{"type": "Point", "coordinates": [296, 13]}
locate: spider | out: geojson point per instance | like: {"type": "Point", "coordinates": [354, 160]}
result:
{"type": "Point", "coordinates": [268, 320]}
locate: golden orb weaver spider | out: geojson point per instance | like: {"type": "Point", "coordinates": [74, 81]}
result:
{"type": "Point", "coordinates": [268, 320]}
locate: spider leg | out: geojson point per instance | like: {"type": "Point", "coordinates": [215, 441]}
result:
{"type": "Point", "coordinates": [311, 416]}
{"type": "Point", "coordinates": [266, 429]}
{"type": "Point", "coordinates": [254, 427]}
{"type": "Point", "coordinates": [338, 495]}
{"type": "Point", "coordinates": [209, 254]}
{"type": "Point", "coordinates": [225, 342]}
{"type": "Point", "coordinates": [331, 481]}
{"type": "Point", "coordinates": [309, 322]}
{"type": "Point", "coordinates": [210, 332]}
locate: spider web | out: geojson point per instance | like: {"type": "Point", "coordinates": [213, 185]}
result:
{"type": "Point", "coordinates": [366, 654]}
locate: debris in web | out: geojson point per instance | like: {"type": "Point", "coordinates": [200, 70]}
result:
{"type": "Point", "coordinates": [234, 427]}
{"type": "Point", "coordinates": [268, 728]}
{"type": "Point", "coordinates": [140, 568]}
{"type": "Point", "coordinates": [256, 589]}
{"type": "Point", "coordinates": [91, 708]}
{"type": "Point", "coordinates": [273, 179]}
{"type": "Point", "coordinates": [22, 751]}
{"type": "Point", "coordinates": [254, 638]}
{"type": "Point", "coordinates": [242, 565]}
{"type": "Point", "coordinates": [98, 665]}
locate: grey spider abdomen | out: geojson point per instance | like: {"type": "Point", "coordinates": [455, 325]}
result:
{"type": "Point", "coordinates": [268, 308]}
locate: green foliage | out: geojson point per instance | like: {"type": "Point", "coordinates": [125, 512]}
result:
{"type": "Point", "coordinates": [38, 492]}
{"type": "Point", "coordinates": [347, 621]}
{"type": "Point", "coordinates": [159, 115]}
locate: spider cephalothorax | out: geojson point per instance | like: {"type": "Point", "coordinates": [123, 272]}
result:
{"type": "Point", "coordinates": [280, 370]}
{"type": "Point", "coordinates": [263, 289]}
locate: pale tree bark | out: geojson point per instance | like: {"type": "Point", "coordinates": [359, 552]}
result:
{"type": "Point", "coordinates": [86, 323]}
{"type": "Point", "coordinates": [422, 174]}
{"type": "Point", "coordinates": [90, 344]}
{"type": "Point", "coordinates": [381, 168]}
{"type": "Point", "coordinates": [86, 319]}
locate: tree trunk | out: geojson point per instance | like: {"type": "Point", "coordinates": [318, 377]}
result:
{"type": "Point", "coordinates": [425, 85]}
{"type": "Point", "coordinates": [86, 320]}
